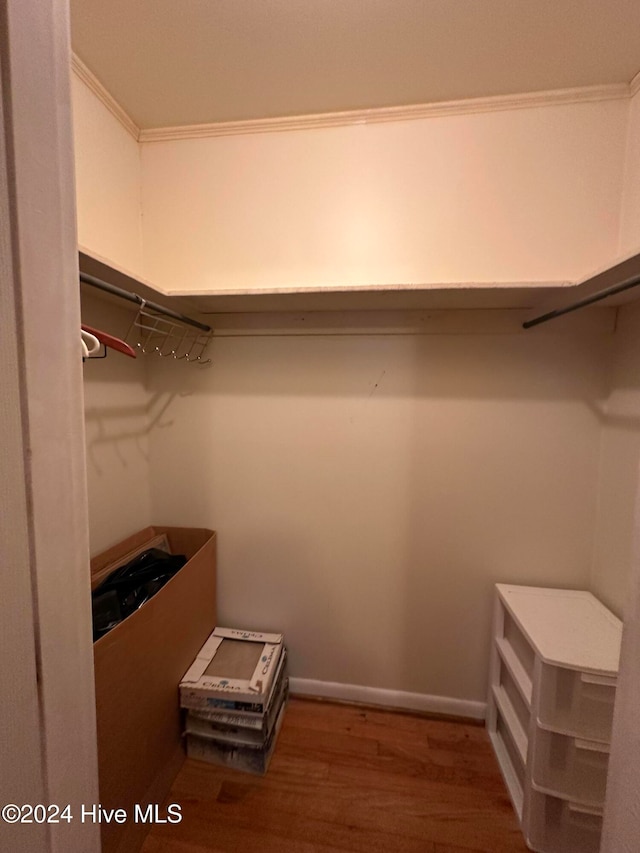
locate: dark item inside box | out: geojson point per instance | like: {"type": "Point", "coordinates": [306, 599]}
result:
{"type": "Point", "coordinates": [130, 586]}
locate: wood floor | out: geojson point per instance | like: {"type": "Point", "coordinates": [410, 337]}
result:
{"type": "Point", "coordinates": [345, 778]}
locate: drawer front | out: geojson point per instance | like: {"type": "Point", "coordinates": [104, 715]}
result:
{"type": "Point", "coordinates": [576, 703]}
{"type": "Point", "coordinates": [570, 767]}
{"type": "Point", "coordinates": [554, 825]}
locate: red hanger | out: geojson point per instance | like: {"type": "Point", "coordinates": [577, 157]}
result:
{"type": "Point", "coordinates": [110, 341]}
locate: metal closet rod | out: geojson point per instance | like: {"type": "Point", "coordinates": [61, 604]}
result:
{"type": "Point", "coordinates": [627, 284]}
{"type": "Point", "coordinates": [133, 297]}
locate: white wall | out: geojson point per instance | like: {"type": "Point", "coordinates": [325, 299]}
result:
{"type": "Point", "coordinates": [527, 194]}
{"type": "Point", "coordinates": [108, 187]}
{"type": "Point", "coordinates": [622, 813]}
{"type": "Point", "coordinates": [413, 500]}
{"type": "Point", "coordinates": [620, 416]}
{"type": "Point", "coordinates": [616, 567]}
{"type": "Point", "coordinates": [524, 194]}
{"type": "Point", "coordinates": [619, 462]}
{"type": "Point", "coordinates": [630, 211]}
{"type": "Point", "coordinates": [117, 420]}
{"type": "Point", "coordinates": [368, 491]}
{"type": "Point", "coordinates": [107, 182]}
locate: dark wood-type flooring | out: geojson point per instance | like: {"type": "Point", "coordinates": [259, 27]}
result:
{"type": "Point", "coordinates": [348, 778]}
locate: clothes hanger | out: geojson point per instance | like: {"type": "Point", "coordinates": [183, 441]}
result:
{"type": "Point", "coordinates": [109, 341]}
{"type": "Point", "coordinates": [90, 341]}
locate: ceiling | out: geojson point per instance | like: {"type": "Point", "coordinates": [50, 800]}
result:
{"type": "Point", "coordinates": [180, 62]}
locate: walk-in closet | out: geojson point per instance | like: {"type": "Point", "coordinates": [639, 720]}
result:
{"type": "Point", "coordinates": [322, 351]}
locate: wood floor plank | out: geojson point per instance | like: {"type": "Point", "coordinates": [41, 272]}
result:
{"type": "Point", "coordinates": [380, 724]}
{"type": "Point", "coordinates": [240, 830]}
{"type": "Point", "coordinates": [351, 780]}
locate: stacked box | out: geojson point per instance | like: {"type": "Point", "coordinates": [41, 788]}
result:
{"type": "Point", "coordinates": [235, 694]}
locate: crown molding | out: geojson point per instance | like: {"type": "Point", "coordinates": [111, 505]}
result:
{"type": "Point", "coordinates": [391, 114]}
{"type": "Point", "coordinates": [378, 115]}
{"type": "Point", "coordinates": [89, 79]}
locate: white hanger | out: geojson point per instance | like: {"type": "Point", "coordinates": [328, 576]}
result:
{"type": "Point", "coordinates": [90, 344]}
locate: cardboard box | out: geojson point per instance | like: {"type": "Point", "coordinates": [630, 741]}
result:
{"type": "Point", "coordinates": [242, 726]}
{"type": "Point", "coordinates": [234, 670]}
{"type": "Point", "coordinates": [138, 666]}
{"type": "Point", "coordinates": [249, 758]}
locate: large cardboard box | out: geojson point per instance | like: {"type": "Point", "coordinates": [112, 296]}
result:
{"type": "Point", "coordinates": [138, 666]}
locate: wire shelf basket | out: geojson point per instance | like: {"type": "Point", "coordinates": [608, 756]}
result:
{"type": "Point", "coordinates": [151, 332]}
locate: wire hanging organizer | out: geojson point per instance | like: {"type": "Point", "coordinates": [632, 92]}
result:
{"type": "Point", "coordinates": [153, 332]}
{"type": "Point", "coordinates": [157, 329]}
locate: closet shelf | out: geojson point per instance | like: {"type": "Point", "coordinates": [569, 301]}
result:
{"type": "Point", "coordinates": [398, 297]}
{"type": "Point", "coordinates": [525, 299]}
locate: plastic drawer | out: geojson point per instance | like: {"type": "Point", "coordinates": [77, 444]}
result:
{"type": "Point", "coordinates": [560, 826]}
{"type": "Point", "coordinates": [576, 703]}
{"type": "Point", "coordinates": [572, 768]}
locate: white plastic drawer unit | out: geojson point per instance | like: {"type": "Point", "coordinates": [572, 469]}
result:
{"type": "Point", "coordinates": [561, 826]}
{"type": "Point", "coordinates": [554, 663]}
{"type": "Point", "coordinates": [569, 767]}
{"type": "Point", "coordinates": [577, 703]}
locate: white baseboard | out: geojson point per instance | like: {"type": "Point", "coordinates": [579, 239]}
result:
{"type": "Point", "coordinates": [389, 698]}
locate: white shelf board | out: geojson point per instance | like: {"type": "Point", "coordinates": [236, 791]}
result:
{"type": "Point", "coordinates": [569, 628]}
{"type": "Point", "coordinates": [401, 296]}
{"type": "Point", "coordinates": [106, 270]}
{"type": "Point", "coordinates": [408, 296]}
{"type": "Point", "coordinates": [527, 296]}
{"type": "Point", "coordinates": [511, 719]}
{"type": "Point", "coordinates": [519, 674]}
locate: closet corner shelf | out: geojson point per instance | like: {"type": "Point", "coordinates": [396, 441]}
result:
{"type": "Point", "coordinates": [468, 295]}
{"type": "Point", "coordinates": [527, 297]}
{"type": "Point", "coordinates": [105, 270]}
